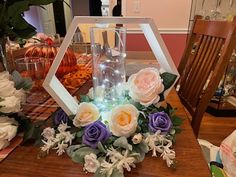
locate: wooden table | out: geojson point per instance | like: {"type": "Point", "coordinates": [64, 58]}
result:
{"type": "Point", "coordinates": [23, 161]}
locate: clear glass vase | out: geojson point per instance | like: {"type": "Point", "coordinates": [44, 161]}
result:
{"type": "Point", "coordinates": [108, 49]}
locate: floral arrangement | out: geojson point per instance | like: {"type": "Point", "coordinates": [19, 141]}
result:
{"type": "Point", "coordinates": [12, 94]}
{"type": "Point", "coordinates": [109, 143]}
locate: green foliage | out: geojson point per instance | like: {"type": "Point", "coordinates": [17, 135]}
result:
{"type": "Point", "coordinates": [143, 123]}
{"type": "Point", "coordinates": [85, 98]}
{"type": "Point", "coordinates": [123, 143]}
{"type": "Point", "coordinates": [99, 174]}
{"type": "Point", "coordinates": [101, 148]}
{"type": "Point", "coordinates": [21, 82]}
{"type": "Point", "coordinates": [142, 149]}
{"type": "Point", "coordinates": [177, 121]}
{"type": "Point", "coordinates": [168, 79]}
{"type": "Point", "coordinates": [12, 23]}
{"type": "Point", "coordinates": [79, 154]}
{"type": "Point", "coordinates": [117, 173]}
{"type": "Point", "coordinates": [32, 132]}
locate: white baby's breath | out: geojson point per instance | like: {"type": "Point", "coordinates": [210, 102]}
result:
{"type": "Point", "coordinates": [119, 160]}
{"type": "Point", "coordinates": [159, 143]}
{"type": "Point", "coordinates": [62, 127]}
{"type": "Point", "coordinates": [61, 147]}
{"type": "Point", "coordinates": [48, 133]}
{"type": "Point", "coordinates": [59, 141]}
{"type": "Point", "coordinates": [48, 144]}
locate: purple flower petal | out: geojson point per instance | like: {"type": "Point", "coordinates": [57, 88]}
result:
{"type": "Point", "coordinates": [95, 132]}
{"type": "Point", "coordinates": [159, 121]}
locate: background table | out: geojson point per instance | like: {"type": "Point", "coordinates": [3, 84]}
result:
{"type": "Point", "coordinates": [23, 161]}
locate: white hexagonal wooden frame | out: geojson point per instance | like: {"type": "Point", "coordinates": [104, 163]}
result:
{"type": "Point", "coordinates": [55, 88]}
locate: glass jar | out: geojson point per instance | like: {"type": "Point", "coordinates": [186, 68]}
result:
{"type": "Point", "coordinates": [108, 50]}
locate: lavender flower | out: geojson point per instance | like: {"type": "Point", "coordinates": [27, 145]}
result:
{"type": "Point", "coordinates": [159, 121]}
{"type": "Point", "coordinates": [95, 132]}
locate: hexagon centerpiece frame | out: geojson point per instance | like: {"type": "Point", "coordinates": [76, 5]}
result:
{"type": "Point", "coordinates": [58, 92]}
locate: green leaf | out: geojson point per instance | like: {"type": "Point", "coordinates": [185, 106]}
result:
{"type": "Point", "coordinates": [177, 130]}
{"type": "Point", "coordinates": [143, 123]}
{"type": "Point", "coordinates": [162, 97]}
{"type": "Point", "coordinates": [32, 132]}
{"type": "Point", "coordinates": [143, 146]}
{"type": "Point", "coordinates": [25, 33]}
{"type": "Point", "coordinates": [99, 174]}
{"type": "Point", "coordinates": [19, 23]}
{"type": "Point", "coordinates": [85, 98]}
{"type": "Point", "coordinates": [78, 155]}
{"type": "Point", "coordinates": [71, 149]}
{"type": "Point", "coordinates": [177, 121]}
{"type": "Point", "coordinates": [123, 143]}
{"type": "Point", "coordinates": [18, 8]}
{"type": "Point", "coordinates": [101, 147]}
{"type": "Point", "coordinates": [168, 79]}
{"type": "Point", "coordinates": [138, 105]}
{"type": "Point", "coordinates": [117, 173]}
{"type": "Point", "coordinates": [40, 2]}
{"type": "Point", "coordinates": [21, 82]}
{"type": "Point", "coordinates": [142, 149]}
{"type": "Point", "coordinates": [80, 133]}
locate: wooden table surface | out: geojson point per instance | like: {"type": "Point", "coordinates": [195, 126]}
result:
{"type": "Point", "coordinates": [23, 162]}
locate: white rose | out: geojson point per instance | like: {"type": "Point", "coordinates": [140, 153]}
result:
{"type": "Point", "coordinates": [137, 138]}
{"type": "Point", "coordinates": [6, 88]}
{"type": "Point", "coordinates": [86, 114]}
{"type": "Point", "coordinates": [124, 120]}
{"type": "Point", "coordinates": [91, 163]}
{"type": "Point", "coordinates": [4, 144]}
{"type": "Point", "coordinates": [4, 75]}
{"type": "Point", "coordinates": [145, 86]}
{"type": "Point", "coordinates": [10, 104]}
{"type": "Point", "coordinates": [8, 130]}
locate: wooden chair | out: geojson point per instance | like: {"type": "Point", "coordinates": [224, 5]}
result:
{"type": "Point", "coordinates": [203, 64]}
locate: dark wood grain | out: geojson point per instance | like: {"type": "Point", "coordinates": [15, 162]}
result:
{"type": "Point", "coordinates": [23, 161]}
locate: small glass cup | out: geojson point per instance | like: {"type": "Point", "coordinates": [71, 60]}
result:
{"type": "Point", "coordinates": [108, 50]}
{"type": "Point", "coordinates": [36, 68]}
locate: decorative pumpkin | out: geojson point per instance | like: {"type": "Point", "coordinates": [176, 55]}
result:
{"type": "Point", "coordinates": [49, 52]}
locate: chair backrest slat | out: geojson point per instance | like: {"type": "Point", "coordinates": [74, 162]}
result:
{"type": "Point", "coordinates": [207, 27]}
{"type": "Point", "coordinates": [206, 56]}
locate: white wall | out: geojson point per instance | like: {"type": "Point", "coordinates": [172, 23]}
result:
{"type": "Point", "coordinates": [169, 15]}
{"type": "Point", "coordinates": [67, 13]}
{"type": "Point", "coordinates": [32, 17]}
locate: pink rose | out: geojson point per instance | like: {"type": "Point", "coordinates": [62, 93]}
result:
{"type": "Point", "coordinates": [145, 86]}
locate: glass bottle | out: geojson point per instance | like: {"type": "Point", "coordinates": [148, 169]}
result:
{"type": "Point", "coordinates": [108, 50]}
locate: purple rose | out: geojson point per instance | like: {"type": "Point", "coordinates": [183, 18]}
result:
{"type": "Point", "coordinates": [159, 121]}
{"type": "Point", "coordinates": [60, 117]}
{"type": "Point", "coordinates": [95, 132]}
